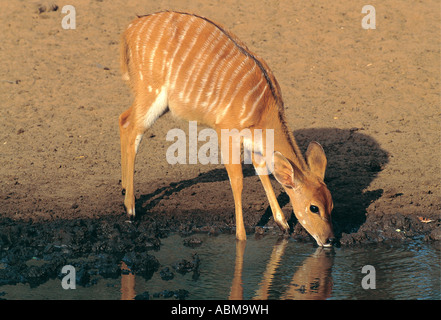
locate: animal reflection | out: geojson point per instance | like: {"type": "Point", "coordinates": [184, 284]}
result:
{"type": "Point", "coordinates": [311, 281]}
{"type": "Point", "coordinates": [127, 283]}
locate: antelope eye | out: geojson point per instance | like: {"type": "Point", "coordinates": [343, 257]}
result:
{"type": "Point", "coordinates": [314, 209]}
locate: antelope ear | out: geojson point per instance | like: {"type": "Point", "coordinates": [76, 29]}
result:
{"type": "Point", "coordinates": [284, 172]}
{"type": "Point", "coordinates": [316, 159]}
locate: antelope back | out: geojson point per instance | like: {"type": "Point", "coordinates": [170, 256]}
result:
{"type": "Point", "coordinates": [207, 74]}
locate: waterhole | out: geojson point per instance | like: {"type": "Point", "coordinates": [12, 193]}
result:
{"type": "Point", "coordinates": [262, 268]}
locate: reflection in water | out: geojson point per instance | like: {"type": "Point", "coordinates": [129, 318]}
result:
{"type": "Point", "coordinates": [311, 281]}
{"type": "Point", "coordinates": [263, 268]}
{"type": "Point", "coordinates": [269, 269]}
{"type": "Point", "coordinates": [127, 283]}
{"type": "Point", "coordinates": [273, 263]}
{"type": "Point", "coordinates": [236, 287]}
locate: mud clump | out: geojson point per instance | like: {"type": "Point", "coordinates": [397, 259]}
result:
{"type": "Point", "coordinates": [387, 227]}
{"type": "Point", "coordinates": [179, 294]}
{"type": "Point", "coordinates": [166, 274]}
{"type": "Point", "coordinates": [141, 263]}
{"type": "Point", "coordinates": [143, 296]}
{"type": "Point", "coordinates": [435, 235]}
{"type": "Point", "coordinates": [184, 266]}
{"type": "Point", "coordinates": [192, 242]}
{"type": "Point", "coordinates": [34, 253]}
{"type": "Point", "coordinates": [46, 7]}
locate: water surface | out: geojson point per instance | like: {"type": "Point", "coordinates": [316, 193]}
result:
{"type": "Point", "coordinates": [270, 268]}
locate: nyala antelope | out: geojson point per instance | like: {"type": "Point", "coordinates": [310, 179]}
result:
{"type": "Point", "coordinates": [201, 72]}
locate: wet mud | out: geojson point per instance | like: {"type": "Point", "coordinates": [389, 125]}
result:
{"type": "Point", "coordinates": [34, 252]}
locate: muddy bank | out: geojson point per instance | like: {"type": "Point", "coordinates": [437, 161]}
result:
{"type": "Point", "coordinates": [34, 252]}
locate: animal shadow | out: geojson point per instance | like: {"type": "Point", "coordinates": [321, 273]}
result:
{"type": "Point", "coordinates": [354, 161]}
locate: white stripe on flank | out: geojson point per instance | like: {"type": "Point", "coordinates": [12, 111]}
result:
{"type": "Point", "coordinates": [247, 96]}
{"type": "Point", "coordinates": [232, 79]}
{"type": "Point", "coordinates": [229, 63]}
{"type": "Point", "coordinates": [207, 72]}
{"type": "Point", "coordinates": [138, 38]}
{"type": "Point", "coordinates": [200, 59]}
{"type": "Point", "coordinates": [132, 30]}
{"type": "Point", "coordinates": [240, 84]}
{"type": "Point", "coordinates": [221, 115]}
{"type": "Point", "coordinates": [180, 41]}
{"type": "Point", "coordinates": [185, 55]}
{"type": "Point", "coordinates": [226, 89]}
{"type": "Point", "coordinates": [147, 36]}
{"type": "Point", "coordinates": [157, 41]}
{"type": "Point", "coordinates": [253, 109]}
{"type": "Point", "coordinates": [164, 63]}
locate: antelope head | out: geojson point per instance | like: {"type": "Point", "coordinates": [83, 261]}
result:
{"type": "Point", "coordinates": [310, 198]}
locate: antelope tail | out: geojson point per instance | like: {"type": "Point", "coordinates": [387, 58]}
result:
{"type": "Point", "coordinates": [124, 59]}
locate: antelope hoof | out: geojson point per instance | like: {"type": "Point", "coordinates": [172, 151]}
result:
{"type": "Point", "coordinates": [283, 225]}
{"type": "Point", "coordinates": [241, 236]}
{"type": "Point", "coordinates": [130, 210]}
{"type": "Point", "coordinates": [131, 214]}
{"type": "Point", "coordinates": [130, 218]}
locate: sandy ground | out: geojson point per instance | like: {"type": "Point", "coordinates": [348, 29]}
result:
{"type": "Point", "coordinates": [370, 97]}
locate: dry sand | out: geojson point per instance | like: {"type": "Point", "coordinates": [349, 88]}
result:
{"type": "Point", "coordinates": [370, 97]}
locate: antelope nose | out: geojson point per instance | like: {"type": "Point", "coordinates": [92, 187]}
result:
{"type": "Point", "coordinates": [329, 242]}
